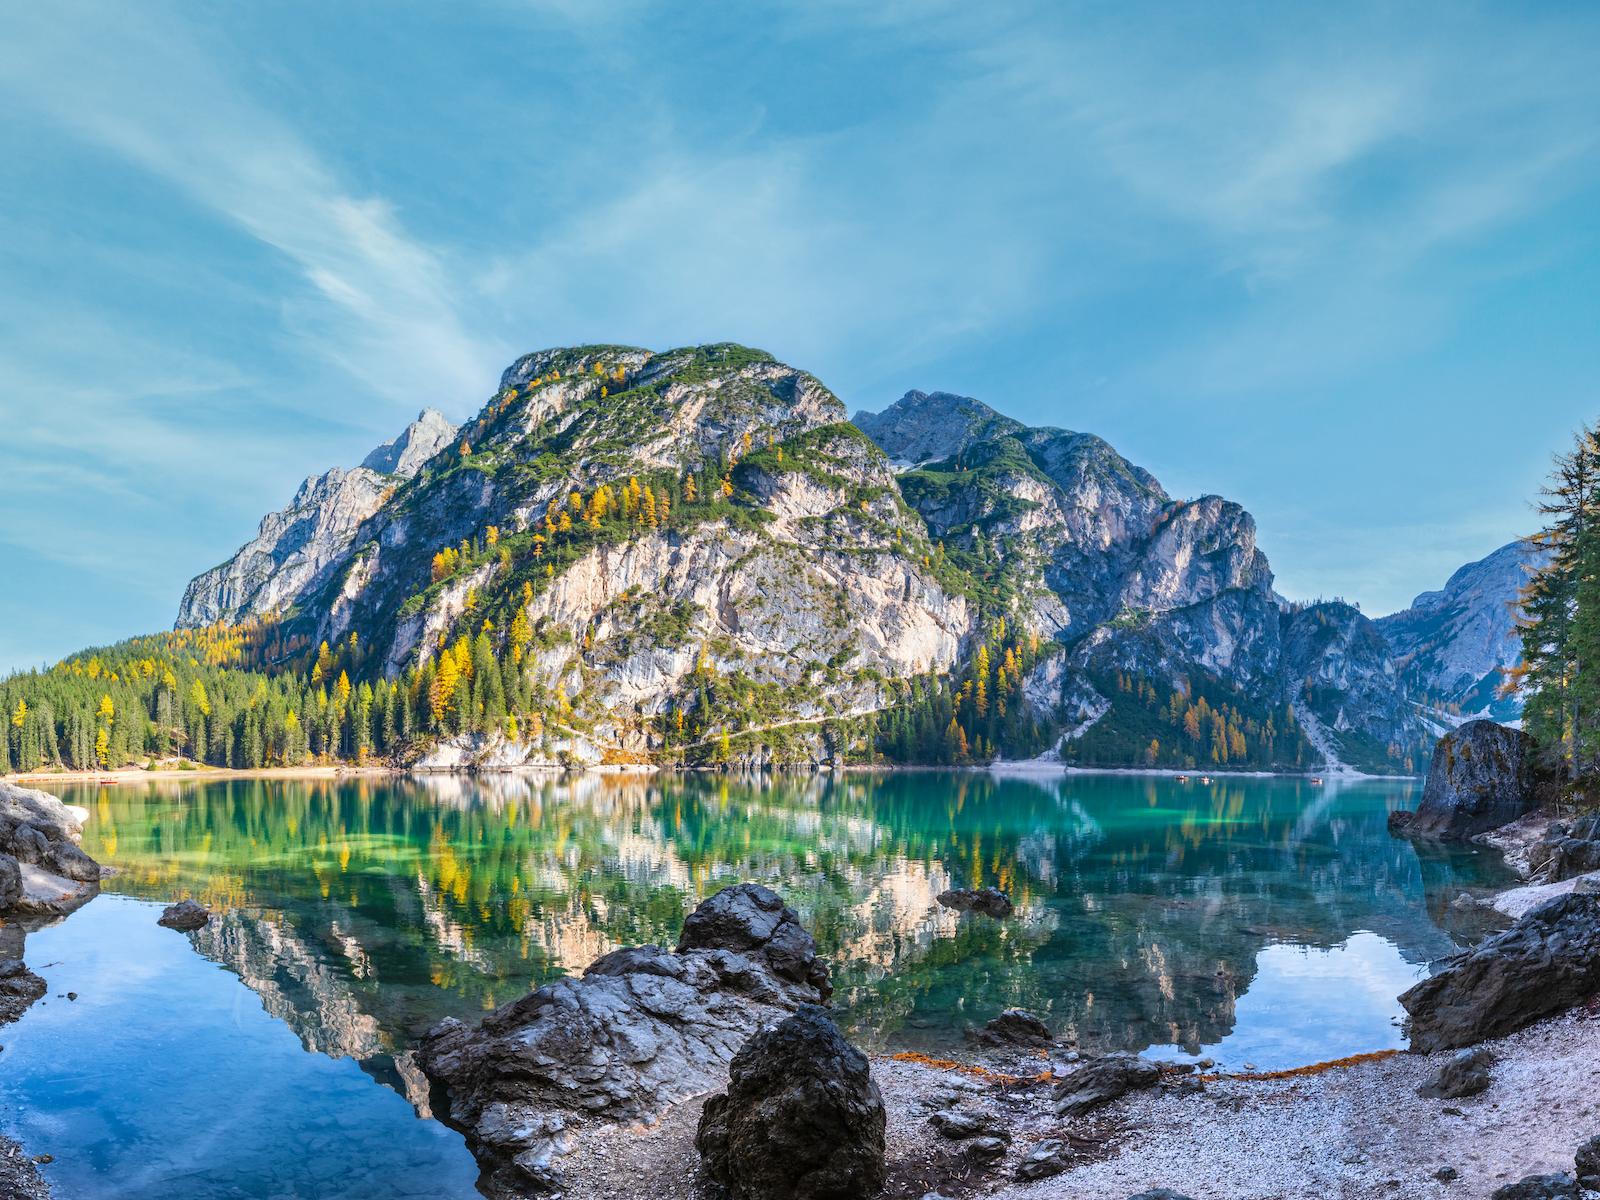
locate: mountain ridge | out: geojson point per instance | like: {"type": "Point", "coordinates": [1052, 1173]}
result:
{"type": "Point", "coordinates": [695, 544]}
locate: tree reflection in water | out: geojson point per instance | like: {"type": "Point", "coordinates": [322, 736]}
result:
{"type": "Point", "coordinates": [364, 910]}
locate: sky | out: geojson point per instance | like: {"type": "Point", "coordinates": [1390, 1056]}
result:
{"type": "Point", "coordinates": [1336, 262]}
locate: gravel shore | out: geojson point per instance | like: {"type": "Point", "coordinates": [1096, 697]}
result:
{"type": "Point", "coordinates": [1340, 1134]}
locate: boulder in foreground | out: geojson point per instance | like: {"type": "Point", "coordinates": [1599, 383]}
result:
{"type": "Point", "coordinates": [1547, 962]}
{"type": "Point", "coordinates": [801, 1119]}
{"type": "Point", "coordinates": [1481, 778]}
{"type": "Point", "coordinates": [184, 916]}
{"type": "Point", "coordinates": [642, 1029]}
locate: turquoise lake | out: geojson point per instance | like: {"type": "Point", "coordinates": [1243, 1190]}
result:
{"type": "Point", "coordinates": [1270, 921]}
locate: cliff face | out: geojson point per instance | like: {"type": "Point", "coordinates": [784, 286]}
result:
{"type": "Point", "coordinates": [1452, 645]}
{"type": "Point", "coordinates": [298, 548]}
{"type": "Point", "coordinates": [701, 529]}
{"type": "Point", "coordinates": [1135, 582]}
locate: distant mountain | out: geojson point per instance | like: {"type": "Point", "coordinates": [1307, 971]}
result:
{"type": "Point", "coordinates": [924, 426]}
{"type": "Point", "coordinates": [1452, 645]}
{"type": "Point", "coordinates": [628, 553]}
{"type": "Point", "coordinates": [297, 548]}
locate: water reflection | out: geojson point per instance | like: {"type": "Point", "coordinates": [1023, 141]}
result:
{"type": "Point", "coordinates": [362, 911]}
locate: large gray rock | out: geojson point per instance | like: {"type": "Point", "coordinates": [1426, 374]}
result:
{"type": "Point", "coordinates": [42, 870]}
{"type": "Point", "coordinates": [1548, 961]}
{"type": "Point", "coordinates": [184, 916]}
{"type": "Point", "coordinates": [642, 1029]}
{"type": "Point", "coordinates": [10, 883]}
{"type": "Point", "coordinates": [1464, 1073]}
{"type": "Point", "coordinates": [1103, 1080]}
{"type": "Point", "coordinates": [801, 1119]}
{"type": "Point", "coordinates": [749, 918]}
{"type": "Point", "coordinates": [1481, 778]}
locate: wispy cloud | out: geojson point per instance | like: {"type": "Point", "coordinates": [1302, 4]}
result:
{"type": "Point", "coordinates": [142, 84]}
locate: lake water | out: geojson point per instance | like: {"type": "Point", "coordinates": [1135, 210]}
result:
{"type": "Point", "coordinates": [1272, 921]}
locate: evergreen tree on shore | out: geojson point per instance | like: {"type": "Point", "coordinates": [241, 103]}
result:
{"type": "Point", "coordinates": [1558, 615]}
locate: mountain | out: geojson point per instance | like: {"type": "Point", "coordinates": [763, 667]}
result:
{"type": "Point", "coordinates": [297, 548]}
{"type": "Point", "coordinates": [693, 554]}
{"type": "Point", "coordinates": [1137, 584]}
{"type": "Point", "coordinates": [931, 425]}
{"type": "Point", "coordinates": [1452, 645]}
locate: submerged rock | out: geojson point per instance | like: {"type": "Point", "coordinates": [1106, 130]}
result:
{"type": "Point", "coordinates": [642, 1029]}
{"type": "Point", "coordinates": [801, 1119]}
{"type": "Point", "coordinates": [1102, 1081]}
{"type": "Point", "coordinates": [1014, 1027]}
{"type": "Point", "coordinates": [1465, 1073]}
{"type": "Point", "coordinates": [990, 901]}
{"type": "Point", "coordinates": [184, 916]}
{"type": "Point", "coordinates": [1548, 961]}
{"type": "Point", "coordinates": [1481, 777]}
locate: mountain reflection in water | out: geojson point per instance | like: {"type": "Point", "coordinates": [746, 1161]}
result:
{"type": "Point", "coordinates": [361, 911]}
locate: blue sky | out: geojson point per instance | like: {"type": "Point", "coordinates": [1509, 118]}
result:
{"type": "Point", "coordinates": [1338, 263]}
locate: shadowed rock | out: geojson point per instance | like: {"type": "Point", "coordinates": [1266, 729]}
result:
{"type": "Point", "coordinates": [184, 916]}
{"type": "Point", "coordinates": [1102, 1081]}
{"type": "Point", "coordinates": [1014, 1027]}
{"type": "Point", "coordinates": [1047, 1158]}
{"type": "Point", "coordinates": [642, 1029]}
{"type": "Point", "coordinates": [957, 1125]}
{"type": "Point", "coordinates": [1481, 777]}
{"type": "Point", "coordinates": [749, 918]}
{"type": "Point", "coordinates": [1465, 1073]}
{"type": "Point", "coordinates": [801, 1120]}
{"type": "Point", "coordinates": [1567, 849]}
{"type": "Point", "coordinates": [989, 901]}
{"type": "Point", "coordinates": [1587, 1161]}
{"type": "Point", "coordinates": [1538, 1187]}
{"type": "Point", "coordinates": [1548, 961]}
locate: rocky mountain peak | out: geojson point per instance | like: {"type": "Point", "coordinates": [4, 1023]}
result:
{"type": "Point", "coordinates": [422, 439]}
{"type": "Point", "coordinates": [1453, 644]}
{"type": "Point", "coordinates": [928, 426]}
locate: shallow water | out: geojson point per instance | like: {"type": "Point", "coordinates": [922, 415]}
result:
{"type": "Point", "coordinates": [1262, 920]}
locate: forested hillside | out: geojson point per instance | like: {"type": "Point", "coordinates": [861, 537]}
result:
{"type": "Point", "coordinates": [693, 557]}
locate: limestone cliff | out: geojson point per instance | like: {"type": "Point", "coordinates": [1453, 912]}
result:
{"type": "Point", "coordinates": [297, 548]}
{"type": "Point", "coordinates": [1452, 645]}
{"type": "Point", "coordinates": [672, 549]}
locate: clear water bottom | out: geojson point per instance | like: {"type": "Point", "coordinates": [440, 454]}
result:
{"type": "Point", "coordinates": [167, 1078]}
